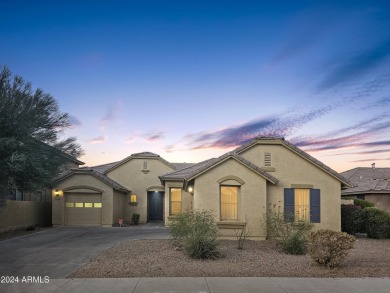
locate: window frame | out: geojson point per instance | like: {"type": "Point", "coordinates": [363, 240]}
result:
{"type": "Point", "coordinates": [170, 201]}
{"type": "Point", "coordinates": [314, 204]}
{"type": "Point", "coordinates": [237, 187]}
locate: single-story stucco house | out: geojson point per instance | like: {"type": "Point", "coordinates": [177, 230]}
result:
{"type": "Point", "coordinates": [371, 184]}
{"type": "Point", "coordinates": [237, 187]}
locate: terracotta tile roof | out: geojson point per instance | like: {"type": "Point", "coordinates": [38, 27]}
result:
{"type": "Point", "coordinates": [179, 166]}
{"type": "Point", "coordinates": [197, 169]}
{"type": "Point", "coordinates": [97, 175]}
{"type": "Point", "coordinates": [146, 155]}
{"type": "Point", "coordinates": [183, 173]}
{"type": "Point", "coordinates": [298, 151]}
{"type": "Point", "coordinates": [367, 180]}
{"type": "Point", "coordinates": [101, 168]}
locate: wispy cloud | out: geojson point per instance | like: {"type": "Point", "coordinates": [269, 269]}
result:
{"type": "Point", "coordinates": [97, 140]}
{"type": "Point", "coordinates": [276, 125]}
{"type": "Point", "coordinates": [363, 152]}
{"type": "Point", "coordinates": [352, 67]}
{"type": "Point", "coordinates": [154, 136]}
{"type": "Point", "coordinates": [361, 135]}
{"type": "Point", "coordinates": [151, 136]}
{"type": "Point", "coordinates": [370, 160]}
{"type": "Point", "coordinates": [383, 102]}
{"type": "Point", "coordinates": [110, 114]}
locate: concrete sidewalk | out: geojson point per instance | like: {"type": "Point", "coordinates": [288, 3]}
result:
{"type": "Point", "coordinates": [204, 285]}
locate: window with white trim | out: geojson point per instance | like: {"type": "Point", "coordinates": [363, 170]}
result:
{"type": "Point", "coordinates": [229, 203]}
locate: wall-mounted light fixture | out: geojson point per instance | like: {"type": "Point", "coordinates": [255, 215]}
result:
{"type": "Point", "coordinates": [57, 194]}
{"type": "Point", "coordinates": [190, 189]}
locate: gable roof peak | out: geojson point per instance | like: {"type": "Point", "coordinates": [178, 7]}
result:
{"type": "Point", "coordinates": [145, 154]}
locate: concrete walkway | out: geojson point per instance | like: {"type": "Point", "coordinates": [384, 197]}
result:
{"type": "Point", "coordinates": [205, 285]}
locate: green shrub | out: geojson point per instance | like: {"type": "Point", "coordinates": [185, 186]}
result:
{"type": "Point", "coordinates": [180, 227]}
{"type": "Point", "coordinates": [197, 233]}
{"type": "Point", "coordinates": [329, 248]}
{"type": "Point", "coordinates": [296, 244]}
{"type": "Point", "coordinates": [377, 223]}
{"type": "Point", "coordinates": [292, 235]}
{"type": "Point", "coordinates": [352, 218]}
{"type": "Point", "coordinates": [362, 203]}
{"type": "Point", "coordinates": [135, 218]}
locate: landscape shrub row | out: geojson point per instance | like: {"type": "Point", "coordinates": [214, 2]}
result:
{"type": "Point", "coordinates": [370, 220]}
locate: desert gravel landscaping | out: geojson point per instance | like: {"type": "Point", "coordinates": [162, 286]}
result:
{"type": "Point", "coordinates": [158, 258]}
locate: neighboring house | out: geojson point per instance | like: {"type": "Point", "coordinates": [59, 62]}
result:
{"type": "Point", "coordinates": [371, 184]}
{"type": "Point", "coordinates": [237, 187]}
{"type": "Point", "coordinates": [24, 209]}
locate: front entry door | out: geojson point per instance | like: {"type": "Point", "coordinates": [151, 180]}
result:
{"type": "Point", "coordinates": [156, 205]}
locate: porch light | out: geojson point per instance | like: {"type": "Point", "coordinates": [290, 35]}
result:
{"type": "Point", "coordinates": [190, 189]}
{"type": "Point", "coordinates": [56, 193]}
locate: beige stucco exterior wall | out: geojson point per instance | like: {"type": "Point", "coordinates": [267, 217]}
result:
{"type": "Point", "coordinates": [251, 197]}
{"type": "Point", "coordinates": [132, 176]}
{"type": "Point", "coordinates": [186, 200]}
{"type": "Point", "coordinates": [17, 214]}
{"type": "Point", "coordinates": [291, 169]}
{"type": "Point", "coordinates": [118, 206]}
{"type": "Point", "coordinates": [83, 180]}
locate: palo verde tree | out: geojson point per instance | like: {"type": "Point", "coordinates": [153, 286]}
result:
{"type": "Point", "coordinates": [31, 151]}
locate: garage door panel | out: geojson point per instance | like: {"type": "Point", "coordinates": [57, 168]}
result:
{"type": "Point", "coordinates": [83, 210]}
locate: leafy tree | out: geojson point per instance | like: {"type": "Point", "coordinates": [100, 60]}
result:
{"type": "Point", "coordinates": [31, 152]}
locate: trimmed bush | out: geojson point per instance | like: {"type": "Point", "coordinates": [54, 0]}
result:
{"type": "Point", "coordinates": [135, 218]}
{"type": "Point", "coordinates": [362, 203]}
{"type": "Point", "coordinates": [377, 223]}
{"type": "Point", "coordinates": [197, 232]}
{"type": "Point", "coordinates": [329, 248]}
{"type": "Point", "coordinates": [352, 218]}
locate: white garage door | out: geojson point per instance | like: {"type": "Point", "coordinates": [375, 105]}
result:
{"type": "Point", "coordinates": [83, 209]}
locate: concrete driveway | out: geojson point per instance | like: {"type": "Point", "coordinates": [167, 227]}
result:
{"type": "Point", "coordinates": [58, 252]}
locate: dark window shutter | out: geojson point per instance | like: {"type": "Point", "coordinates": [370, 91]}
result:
{"type": "Point", "coordinates": [315, 206]}
{"type": "Point", "coordinates": [289, 204]}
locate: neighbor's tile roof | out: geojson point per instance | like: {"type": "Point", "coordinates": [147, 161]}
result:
{"type": "Point", "coordinates": [367, 180]}
{"type": "Point", "coordinates": [195, 170]}
{"type": "Point", "coordinates": [295, 149]}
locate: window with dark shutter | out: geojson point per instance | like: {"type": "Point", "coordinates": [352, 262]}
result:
{"type": "Point", "coordinates": [296, 207]}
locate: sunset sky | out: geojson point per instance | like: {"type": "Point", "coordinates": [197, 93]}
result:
{"type": "Point", "coordinates": [191, 80]}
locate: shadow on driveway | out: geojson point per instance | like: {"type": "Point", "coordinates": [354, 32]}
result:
{"type": "Point", "coordinates": [58, 252]}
